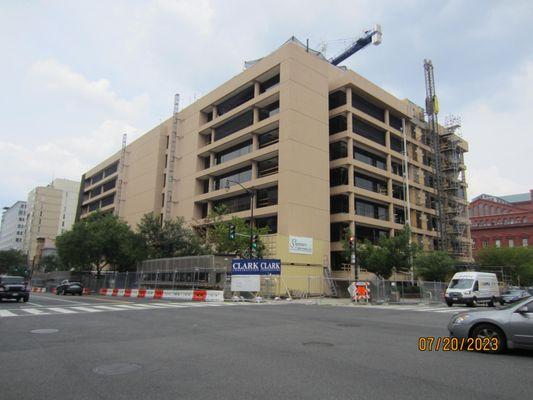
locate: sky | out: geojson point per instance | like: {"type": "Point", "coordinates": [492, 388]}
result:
{"type": "Point", "coordinates": [76, 75]}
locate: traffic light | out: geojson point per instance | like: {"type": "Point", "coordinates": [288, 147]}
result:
{"type": "Point", "coordinates": [254, 242]}
{"type": "Point", "coordinates": [351, 241]}
{"type": "Point", "coordinates": [232, 232]}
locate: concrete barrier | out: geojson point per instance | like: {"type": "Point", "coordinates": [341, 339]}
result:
{"type": "Point", "coordinates": [186, 295]}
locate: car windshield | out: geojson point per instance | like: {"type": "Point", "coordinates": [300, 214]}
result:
{"type": "Point", "coordinates": [13, 280]}
{"type": "Point", "coordinates": [513, 293]}
{"type": "Point", "coordinates": [518, 303]}
{"type": "Point", "coordinates": [461, 283]}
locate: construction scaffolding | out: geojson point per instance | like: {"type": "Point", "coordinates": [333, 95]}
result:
{"type": "Point", "coordinates": [171, 160]}
{"type": "Point", "coordinates": [121, 175]}
{"type": "Point", "coordinates": [450, 183]}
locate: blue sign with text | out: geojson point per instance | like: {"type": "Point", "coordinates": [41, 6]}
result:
{"type": "Point", "coordinates": [257, 266]}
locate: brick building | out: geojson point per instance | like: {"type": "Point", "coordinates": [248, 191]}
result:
{"type": "Point", "coordinates": [504, 221]}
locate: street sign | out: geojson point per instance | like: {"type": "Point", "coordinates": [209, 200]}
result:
{"type": "Point", "coordinates": [300, 245]}
{"type": "Point", "coordinates": [256, 266]}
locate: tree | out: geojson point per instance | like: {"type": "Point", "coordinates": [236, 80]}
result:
{"type": "Point", "coordinates": [99, 241]}
{"type": "Point", "coordinates": [218, 235]}
{"type": "Point", "coordinates": [434, 266]}
{"type": "Point", "coordinates": [518, 259]}
{"type": "Point", "coordinates": [173, 239]}
{"type": "Point", "coordinates": [10, 259]}
{"type": "Point", "coordinates": [50, 263]}
{"type": "Point", "coordinates": [389, 255]}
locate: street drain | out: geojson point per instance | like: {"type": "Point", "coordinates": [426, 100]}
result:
{"type": "Point", "coordinates": [318, 344]}
{"type": "Point", "coordinates": [349, 325]}
{"type": "Point", "coordinates": [44, 331]}
{"type": "Point", "coordinates": [116, 369]}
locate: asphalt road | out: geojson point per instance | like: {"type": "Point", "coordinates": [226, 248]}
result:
{"type": "Point", "coordinates": [253, 351]}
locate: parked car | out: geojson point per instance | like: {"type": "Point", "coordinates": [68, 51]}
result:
{"type": "Point", "coordinates": [511, 296]}
{"type": "Point", "coordinates": [72, 288]}
{"type": "Point", "coordinates": [511, 325]}
{"type": "Point", "coordinates": [473, 288]}
{"type": "Point", "coordinates": [14, 287]}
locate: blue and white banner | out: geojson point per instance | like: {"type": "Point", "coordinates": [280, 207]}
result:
{"type": "Point", "coordinates": [257, 266]}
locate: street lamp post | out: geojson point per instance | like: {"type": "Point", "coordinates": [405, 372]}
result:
{"type": "Point", "coordinates": [251, 193]}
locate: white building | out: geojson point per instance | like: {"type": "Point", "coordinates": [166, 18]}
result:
{"type": "Point", "coordinates": [13, 226]}
{"type": "Point", "coordinates": [51, 210]}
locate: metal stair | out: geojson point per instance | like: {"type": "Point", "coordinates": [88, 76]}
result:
{"type": "Point", "coordinates": [331, 283]}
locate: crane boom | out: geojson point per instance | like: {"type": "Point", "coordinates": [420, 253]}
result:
{"type": "Point", "coordinates": [371, 36]}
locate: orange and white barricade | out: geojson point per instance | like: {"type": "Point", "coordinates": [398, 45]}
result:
{"type": "Point", "coordinates": [360, 291]}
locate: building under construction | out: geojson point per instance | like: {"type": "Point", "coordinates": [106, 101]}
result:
{"type": "Point", "coordinates": [312, 148]}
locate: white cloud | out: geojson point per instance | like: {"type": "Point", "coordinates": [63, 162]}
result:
{"type": "Point", "coordinates": [61, 78]}
{"type": "Point", "coordinates": [500, 137]}
{"type": "Point", "coordinates": [37, 165]}
{"type": "Point", "coordinates": [197, 14]}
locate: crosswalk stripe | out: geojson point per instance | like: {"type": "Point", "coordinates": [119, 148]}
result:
{"type": "Point", "coordinates": [128, 307]}
{"type": "Point", "coordinates": [7, 313]}
{"type": "Point", "coordinates": [34, 311]}
{"type": "Point", "coordinates": [87, 309]}
{"type": "Point", "coordinates": [62, 310]}
{"type": "Point", "coordinates": [109, 308]}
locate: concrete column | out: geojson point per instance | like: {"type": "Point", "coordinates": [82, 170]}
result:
{"type": "Point", "coordinates": [256, 115]}
{"type": "Point", "coordinates": [351, 179]}
{"type": "Point", "coordinates": [211, 183]}
{"type": "Point", "coordinates": [254, 170]}
{"type": "Point", "coordinates": [387, 116]}
{"type": "Point", "coordinates": [212, 135]}
{"type": "Point", "coordinates": [255, 142]}
{"type": "Point", "coordinates": [211, 159]}
{"type": "Point", "coordinates": [209, 207]}
{"type": "Point", "coordinates": [349, 96]}
{"type": "Point", "coordinates": [349, 122]}
{"type": "Point", "coordinates": [215, 112]}
{"type": "Point", "coordinates": [351, 205]}
{"type": "Point", "coordinates": [257, 89]}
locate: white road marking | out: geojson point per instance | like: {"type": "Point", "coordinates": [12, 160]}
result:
{"type": "Point", "coordinates": [62, 310]}
{"type": "Point", "coordinates": [6, 313]}
{"type": "Point", "coordinates": [108, 308]}
{"type": "Point", "coordinates": [87, 309]}
{"type": "Point", "coordinates": [34, 311]}
{"type": "Point", "coordinates": [66, 301]}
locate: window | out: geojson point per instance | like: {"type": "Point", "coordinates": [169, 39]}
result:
{"type": "Point", "coordinates": [372, 184]}
{"type": "Point", "coordinates": [337, 99]}
{"type": "Point", "coordinates": [369, 158]}
{"type": "Point", "coordinates": [162, 199]}
{"type": "Point", "coordinates": [241, 176]}
{"type": "Point", "coordinates": [367, 107]}
{"type": "Point", "coordinates": [110, 185]}
{"type": "Point", "coordinates": [338, 230]}
{"type": "Point", "coordinates": [268, 138]}
{"type": "Point", "coordinates": [371, 210]}
{"type": "Point", "coordinates": [396, 144]}
{"type": "Point", "coordinates": [234, 124]}
{"type": "Point", "coordinates": [232, 152]}
{"type": "Point", "coordinates": [235, 100]}
{"type": "Point", "coordinates": [338, 150]}
{"type": "Point", "coordinates": [511, 243]}
{"type": "Point", "coordinates": [339, 204]}
{"type": "Point", "coordinates": [338, 176]}
{"type": "Point", "coordinates": [524, 242]}
{"type": "Point", "coordinates": [267, 197]}
{"type": "Point", "coordinates": [269, 222]}
{"type": "Point", "coordinates": [396, 123]}
{"type": "Point", "coordinates": [111, 169]}
{"type": "Point", "coordinates": [267, 167]}
{"type": "Point", "coordinates": [269, 111]}
{"type": "Point", "coordinates": [106, 201]}
{"type": "Point", "coordinates": [367, 131]}
{"type": "Point", "coordinates": [269, 84]}
{"type": "Point", "coordinates": [337, 124]}
{"type": "Point", "coordinates": [497, 243]}
{"type": "Point", "coordinates": [234, 204]}
{"type": "Point", "coordinates": [399, 215]}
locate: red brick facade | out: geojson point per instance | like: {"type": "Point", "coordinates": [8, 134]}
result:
{"type": "Point", "coordinates": [505, 221]}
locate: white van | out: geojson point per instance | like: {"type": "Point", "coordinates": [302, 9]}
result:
{"type": "Point", "coordinates": [472, 288]}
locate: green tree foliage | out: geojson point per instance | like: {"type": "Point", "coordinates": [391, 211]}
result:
{"type": "Point", "coordinates": [173, 239]}
{"type": "Point", "coordinates": [10, 259]}
{"type": "Point", "coordinates": [389, 255]}
{"type": "Point", "coordinates": [434, 266]}
{"type": "Point", "coordinates": [218, 235]}
{"type": "Point", "coordinates": [50, 263]}
{"type": "Point", "coordinates": [518, 259]}
{"type": "Point", "coordinates": [98, 241]}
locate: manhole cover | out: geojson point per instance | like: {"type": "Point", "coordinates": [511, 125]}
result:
{"type": "Point", "coordinates": [44, 331]}
{"type": "Point", "coordinates": [116, 369]}
{"type": "Point", "coordinates": [349, 325]}
{"type": "Point", "coordinates": [318, 344]}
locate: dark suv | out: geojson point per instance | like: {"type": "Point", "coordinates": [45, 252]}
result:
{"type": "Point", "coordinates": [13, 287]}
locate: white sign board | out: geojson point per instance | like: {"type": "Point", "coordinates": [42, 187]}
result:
{"type": "Point", "coordinates": [245, 283]}
{"type": "Point", "coordinates": [300, 245]}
